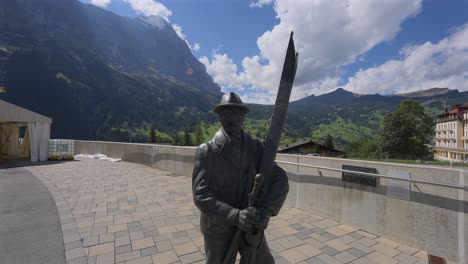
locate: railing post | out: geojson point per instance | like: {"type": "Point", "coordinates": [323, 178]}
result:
{"type": "Point", "coordinates": [461, 218]}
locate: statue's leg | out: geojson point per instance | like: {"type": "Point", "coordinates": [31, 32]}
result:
{"type": "Point", "coordinates": [215, 250]}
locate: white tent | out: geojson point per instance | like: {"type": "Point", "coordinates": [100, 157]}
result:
{"type": "Point", "coordinates": [35, 142]}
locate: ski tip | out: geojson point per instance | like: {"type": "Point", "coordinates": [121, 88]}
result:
{"type": "Point", "coordinates": [292, 33]}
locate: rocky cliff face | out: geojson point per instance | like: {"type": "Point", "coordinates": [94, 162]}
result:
{"type": "Point", "coordinates": [93, 71]}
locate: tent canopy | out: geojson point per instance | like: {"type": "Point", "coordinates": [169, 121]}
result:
{"type": "Point", "coordinates": [13, 113]}
{"type": "Point", "coordinates": [36, 138]}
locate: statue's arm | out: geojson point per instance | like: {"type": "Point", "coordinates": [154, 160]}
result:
{"type": "Point", "coordinates": [203, 197]}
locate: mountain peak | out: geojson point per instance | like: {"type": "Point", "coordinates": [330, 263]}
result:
{"type": "Point", "coordinates": [156, 21]}
{"type": "Point", "coordinates": [340, 90]}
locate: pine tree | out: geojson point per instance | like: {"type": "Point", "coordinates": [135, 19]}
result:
{"type": "Point", "coordinates": [329, 142]}
{"type": "Point", "coordinates": [316, 148]}
{"type": "Point", "coordinates": [198, 133]}
{"type": "Point", "coordinates": [187, 138]}
{"type": "Point", "coordinates": [152, 136]}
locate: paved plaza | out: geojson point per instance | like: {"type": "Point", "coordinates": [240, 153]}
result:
{"type": "Point", "coordinates": [120, 212]}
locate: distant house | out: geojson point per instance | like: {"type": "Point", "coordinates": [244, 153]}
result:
{"type": "Point", "coordinates": [307, 147]}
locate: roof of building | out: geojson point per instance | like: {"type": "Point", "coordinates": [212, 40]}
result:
{"type": "Point", "coordinates": [13, 113]}
{"type": "Point", "coordinates": [300, 143]}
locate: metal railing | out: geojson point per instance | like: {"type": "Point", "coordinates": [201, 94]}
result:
{"type": "Point", "coordinates": [453, 186]}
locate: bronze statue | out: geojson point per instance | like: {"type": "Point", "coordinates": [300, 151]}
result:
{"type": "Point", "coordinates": [236, 184]}
{"type": "Point", "coordinates": [224, 171]}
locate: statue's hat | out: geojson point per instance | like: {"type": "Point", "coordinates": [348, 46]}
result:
{"type": "Point", "coordinates": [231, 100]}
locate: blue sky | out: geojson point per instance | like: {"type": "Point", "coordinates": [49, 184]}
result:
{"type": "Point", "coordinates": [385, 47]}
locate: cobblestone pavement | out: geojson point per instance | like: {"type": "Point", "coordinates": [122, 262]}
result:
{"type": "Point", "coordinates": [128, 213]}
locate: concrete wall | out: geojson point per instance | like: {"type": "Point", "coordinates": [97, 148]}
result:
{"type": "Point", "coordinates": [178, 160]}
{"type": "Point", "coordinates": [429, 217]}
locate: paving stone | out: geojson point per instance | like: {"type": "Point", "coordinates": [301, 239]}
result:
{"type": "Point", "coordinates": [367, 242]}
{"type": "Point", "coordinates": [407, 249]}
{"type": "Point", "coordinates": [356, 252]}
{"type": "Point", "coordinates": [101, 249]}
{"type": "Point", "coordinates": [386, 250]}
{"type": "Point", "coordinates": [315, 260]}
{"type": "Point", "coordinates": [421, 254]}
{"type": "Point", "coordinates": [142, 243]}
{"type": "Point", "coordinates": [81, 260]}
{"type": "Point", "coordinates": [337, 245]}
{"type": "Point", "coordinates": [355, 235]}
{"type": "Point", "coordinates": [74, 253]}
{"type": "Point", "coordinates": [121, 234]}
{"type": "Point", "coordinates": [91, 260]}
{"type": "Point", "coordinates": [328, 236]}
{"type": "Point", "coordinates": [329, 251]}
{"type": "Point", "coordinates": [191, 258]}
{"type": "Point", "coordinates": [308, 250]}
{"type": "Point", "coordinates": [328, 259]}
{"type": "Point", "coordinates": [185, 248]}
{"type": "Point", "coordinates": [315, 243]}
{"type": "Point", "coordinates": [388, 242]}
{"type": "Point", "coordinates": [293, 256]}
{"type": "Point", "coordinates": [165, 257]}
{"type": "Point", "coordinates": [366, 250]}
{"type": "Point", "coordinates": [90, 241]}
{"type": "Point", "coordinates": [127, 256]}
{"type": "Point", "coordinates": [378, 257]}
{"type": "Point", "coordinates": [347, 239]}
{"type": "Point", "coordinates": [405, 258]}
{"type": "Point", "coordinates": [142, 260]}
{"type": "Point", "coordinates": [344, 257]}
{"type": "Point", "coordinates": [73, 245]}
{"type": "Point", "coordinates": [107, 258]}
{"type": "Point", "coordinates": [338, 232]}
{"type": "Point", "coordinates": [123, 249]}
{"type": "Point", "coordinates": [106, 238]}
{"type": "Point", "coordinates": [116, 228]}
{"type": "Point", "coordinates": [149, 251]}
{"type": "Point", "coordinates": [120, 241]}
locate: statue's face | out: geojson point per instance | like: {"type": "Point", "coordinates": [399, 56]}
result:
{"type": "Point", "coordinates": [231, 119]}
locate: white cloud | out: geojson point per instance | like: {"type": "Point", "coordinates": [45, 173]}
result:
{"type": "Point", "coordinates": [150, 8]}
{"type": "Point", "coordinates": [442, 64]}
{"type": "Point", "coordinates": [178, 30]}
{"type": "Point", "coordinates": [101, 3]}
{"type": "Point", "coordinates": [223, 70]}
{"type": "Point", "coordinates": [328, 35]}
{"type": "Point", "coordinates": [260, 3]}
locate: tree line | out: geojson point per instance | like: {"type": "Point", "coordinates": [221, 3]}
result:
{"type": "Point", "coordinates": [405, 133]}
{"type": "Point", "coordinates": [184, 138]}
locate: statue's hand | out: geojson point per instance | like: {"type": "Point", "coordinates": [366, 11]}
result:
{"type": "Point", "coordinates": [262, 217]}
{"type": "Point", "coordinates": [247, 218]}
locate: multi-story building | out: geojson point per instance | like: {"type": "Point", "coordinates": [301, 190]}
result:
{"type": "Point", "coordinates": [451, 134]}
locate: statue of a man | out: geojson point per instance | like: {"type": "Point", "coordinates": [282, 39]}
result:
{"type": "Point", "coordinates": [225, 168]}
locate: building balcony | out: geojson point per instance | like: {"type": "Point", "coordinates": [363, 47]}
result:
{"type": "Point", "coordinates": [444, 129]}
{"type": "Point", "coordinates": [452, 149]}
{"type": "Point", "coordinates": [445, 138]}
